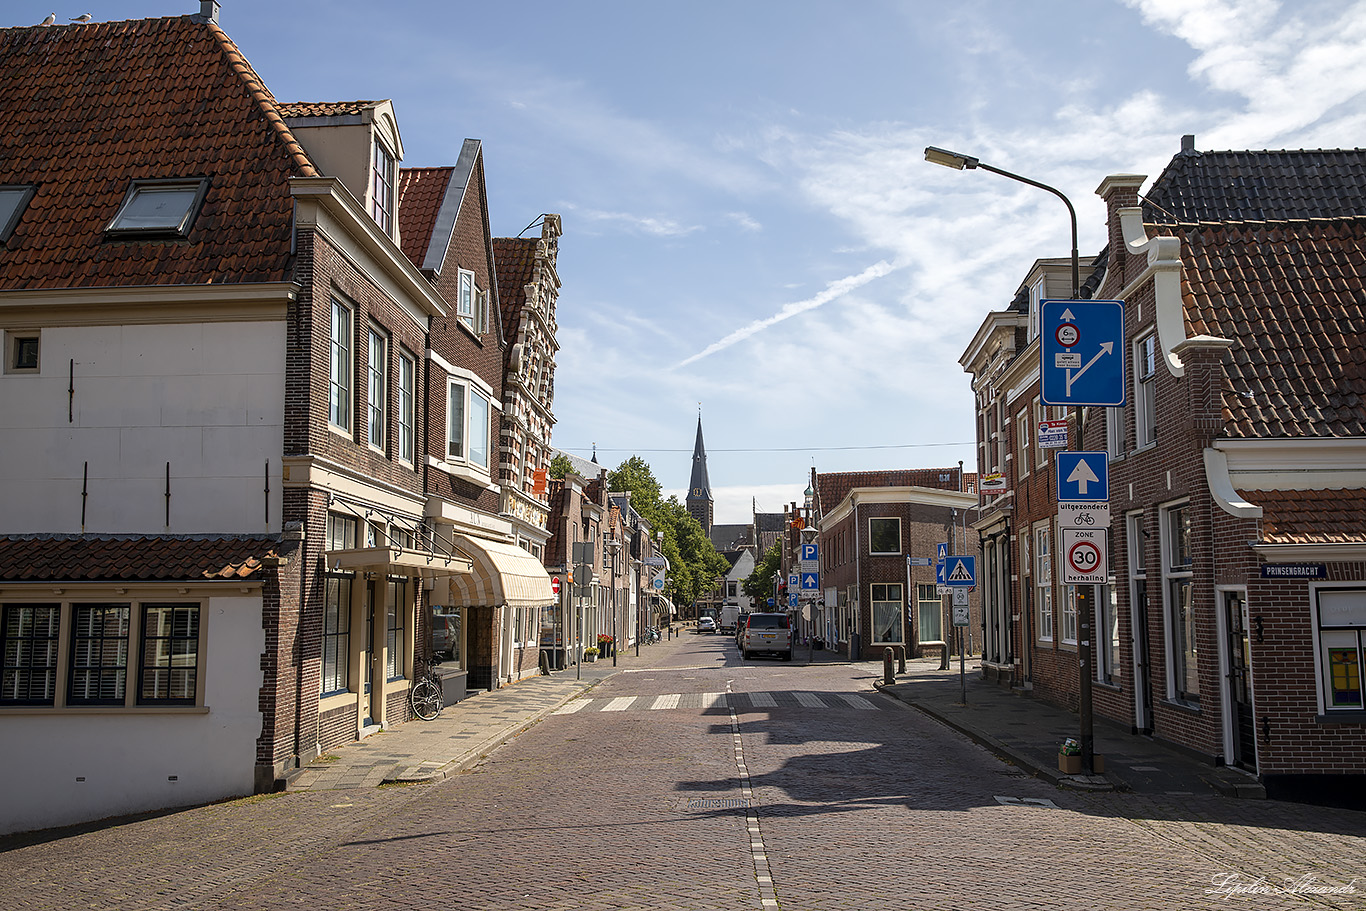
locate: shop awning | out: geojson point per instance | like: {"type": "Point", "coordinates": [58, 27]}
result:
{"type": "Point", "coordinates": [502, 573]}
{"type": "Point", "coordinates": [397, 561]}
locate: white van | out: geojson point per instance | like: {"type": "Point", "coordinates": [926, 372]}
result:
{"type": "Point", "coordinates": [767, 634]}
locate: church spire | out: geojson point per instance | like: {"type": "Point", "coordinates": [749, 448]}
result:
{"type": "Point", "coordinates": [699, 499]}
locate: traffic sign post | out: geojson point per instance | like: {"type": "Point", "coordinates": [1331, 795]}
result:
{"type": "Point", "coordinates": [1081, 352]}
{"type": "Point", "coordinates": [1083, 477]}
{"type": "Point", "coordinates": [960, 571]}
{"type": "Point", "coordinates": [1084, 556]}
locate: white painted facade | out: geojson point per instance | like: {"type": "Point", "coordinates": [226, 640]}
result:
{"type": "Point", "coordinates": [63, 766]}
{"type": "Point", "coordinates": [207, 397]}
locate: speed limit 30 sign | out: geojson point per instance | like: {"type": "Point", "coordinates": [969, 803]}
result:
{"type": "Point", "coordinates": [1083, 556]}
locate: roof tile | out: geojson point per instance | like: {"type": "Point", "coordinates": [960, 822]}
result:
{"type": "Point", "coordinates": [52, 558]}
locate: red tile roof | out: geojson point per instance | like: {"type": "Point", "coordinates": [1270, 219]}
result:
{"type": "Point", "coordinates": [135, 558]}
{"type": "Point", "coordinates": [323, 108]}
{"type": "Point", "coordinates": [105, 103]}
{"type": "Point", "coordinates": [515, 260]}
{"type": "Point", "coordinates": [420, 194]}
{"type": "Point", "coordinates": [833, 487]}
{"type": "Point", "coordinates": [1289, 294]}
{"type": "Point", "coordinates": [1311, 516]}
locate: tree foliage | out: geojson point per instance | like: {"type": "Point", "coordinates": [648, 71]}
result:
{"type": "Point", "coordinates": [560, 465]}
{"type": "Point", "coordinates": [694, 563]}
{"type": "Point", "coordinates": [759, 584]}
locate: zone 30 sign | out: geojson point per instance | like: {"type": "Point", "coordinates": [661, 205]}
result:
{"type": "Point", "coordinates": [1083, 556]}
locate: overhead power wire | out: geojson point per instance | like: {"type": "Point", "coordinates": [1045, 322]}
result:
{"type": "Point", "coordinates": [777, 449]}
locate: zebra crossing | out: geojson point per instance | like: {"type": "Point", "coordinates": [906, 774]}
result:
{"type": "Point", "coordinates": [740, 702]}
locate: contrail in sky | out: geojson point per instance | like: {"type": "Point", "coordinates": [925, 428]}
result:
{"type": "Point", "coordinates": [832, 291]}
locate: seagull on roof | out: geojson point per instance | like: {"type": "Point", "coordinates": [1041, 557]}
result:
{"type": "Point", "coordinates": [83, 17]}
{"type": "Point", "coordinates": [51, 18]}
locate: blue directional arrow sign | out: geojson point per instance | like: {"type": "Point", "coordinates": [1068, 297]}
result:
{"type": "Point", "coordinates": [811, 582]}
{"type": "Point", "coordinates": [1081, 352]}
{"type": "Point", "coordinates": [1083, 477]}
{"type": "Point", "coordinates": [960, 571]}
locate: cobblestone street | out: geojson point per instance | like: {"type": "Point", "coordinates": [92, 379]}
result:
{"type": "Point", "coordinates": [705, 782]}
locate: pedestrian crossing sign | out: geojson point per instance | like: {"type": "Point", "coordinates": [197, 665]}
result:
{"type": "Point", "coordinates": [960, 571]}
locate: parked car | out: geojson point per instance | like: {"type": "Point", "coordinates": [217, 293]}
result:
{"type": "Point", "coordinates": [445, 635]}
{"type": "Point", "coordinates": [769, 634]}
{"type": "Point", "coordinates": [706, 625]}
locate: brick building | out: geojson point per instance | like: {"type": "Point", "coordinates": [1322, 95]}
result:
{"type": "Point", "coordinates": [249, 406]}
{"type": "Point", "coordinates": [1234, 622]}
{"type": "Point", "coordinates": [870, 523]}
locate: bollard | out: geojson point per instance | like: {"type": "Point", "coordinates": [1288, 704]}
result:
{"type": "Point", "coordinates": [887, 678]}
{"type": "Point", "coordinates": [901, 659]}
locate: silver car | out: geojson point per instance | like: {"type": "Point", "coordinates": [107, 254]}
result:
{"type": "Point", "coordinates": [767, 634]}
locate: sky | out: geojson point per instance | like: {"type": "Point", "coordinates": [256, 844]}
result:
{"type": "Point", "coordinates": [750, 229]}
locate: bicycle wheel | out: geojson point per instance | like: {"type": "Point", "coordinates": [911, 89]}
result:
{"type": "Point", "coordinates": [425, 698]}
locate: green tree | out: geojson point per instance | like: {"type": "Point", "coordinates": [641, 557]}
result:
{"type": "Point", "coordinates": [560, 465]}
{"type": "Point", "coordinates": [694, 564]}
{"type": "Point", "coordinates": [759, 584]}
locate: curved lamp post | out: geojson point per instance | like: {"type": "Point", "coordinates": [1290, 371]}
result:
{"type": "Point", "coordinates": [961, 162]}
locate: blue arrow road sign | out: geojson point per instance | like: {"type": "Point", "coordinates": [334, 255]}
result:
{"type": "Point", "coordinates": [941, 551]}
{"type": "Point", "coordinates": [960, 571]}
{"type": "Point", "coordinates": [1081, 352]}
{"type": "Point", "coordinates": [1083, 477]}
{"type": "Point", "coordinates": [811, 582]}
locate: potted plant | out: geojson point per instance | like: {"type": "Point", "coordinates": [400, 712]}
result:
{"type": "Point", "coordinates": [605, 645]}
{"type": "Point", "coordinates": [1069, 757]}
{"type": "Point", "coordinates": [590, 654]}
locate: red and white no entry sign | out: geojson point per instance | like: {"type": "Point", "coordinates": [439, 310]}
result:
{"type": "Point", "coordinates": [1084, 552]}
{"type": "Point", "coordinates": [555, 584]}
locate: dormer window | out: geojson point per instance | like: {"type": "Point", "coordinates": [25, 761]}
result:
{"type": "Point", "coordinates": [13, 201]}
{"type": "Point", "coordinates": [159, 208]}
{"type": "Point", "coordinates": [382, 179]}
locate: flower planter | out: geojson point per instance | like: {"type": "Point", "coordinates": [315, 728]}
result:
{"type": "Point", "coordinates": [1071, 765]}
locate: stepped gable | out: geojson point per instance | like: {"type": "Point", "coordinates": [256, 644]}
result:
{"type": "Point", "coordinates": [1290, 295]}
{"type": "Point", "coordinates": [149, 98]}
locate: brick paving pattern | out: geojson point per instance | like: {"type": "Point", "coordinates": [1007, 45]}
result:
{"type": "Point", "coordinates": [716, 801]}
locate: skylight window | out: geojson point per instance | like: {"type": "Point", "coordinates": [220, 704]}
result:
{"type": "Point", "coordinates": [13, 201]}
{"type": "Point", "coordinates": [159, 207]}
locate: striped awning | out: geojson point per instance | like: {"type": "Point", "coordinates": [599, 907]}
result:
{"type": "Point", "coordinates": [502, 573]}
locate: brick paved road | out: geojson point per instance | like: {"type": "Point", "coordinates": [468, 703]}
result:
{"type": "Point", "coordinates": [638, 800]}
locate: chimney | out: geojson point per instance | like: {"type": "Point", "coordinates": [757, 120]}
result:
{"type": "Point", "coordinates": [208, 12]}
{"type": "Point", "coordinates": [1188, 144]}
{"type": "Point", "coordinates": [1120, 191]}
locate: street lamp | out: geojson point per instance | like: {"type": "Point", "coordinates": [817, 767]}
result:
{"type": "Point", "coordinates": [966, 162]}
{"type": "Point", "coordinates": [613, 545]}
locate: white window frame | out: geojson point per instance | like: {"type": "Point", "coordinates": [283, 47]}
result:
{"type": "Point", "coordinates": [383, 186]}
{"type": "Point", "coordinates": [898, 609]}
{"type": "Point", "coordinates": [471, 303]}
{"type": "Point", "coordinates": [1145, 390]}
{"type": "Point", "coordinates": [884, 553]}
{"type": "Point", "coordinates": [929, 603]}
{"type": "Point", "coordinates": [1172, 574]}
{"type": "Point", "coordinates": [1109, 665]}
{"type": "Point", "coordinates": [1043, 580]}
{"type": "Point", "coordinates": [1024, 439]}
{"type": "Point", "coordinates": [407, 408]}
{"type": "Point", "coordinates": [1339, 633]}
{"type": "Point", "coordinates": [1067, 634]}
{"type": "Point", "coordinates": [472, 397]}
{"type": "Point", "coordinates": [14, 339]}
{"type": "Point", "coordinates": [1040, 415]}
{"type": "Point", "coordinates": [341, 376]}
{"type": "Point", "coordinates": [1114, 433]}
{"type": "Point", "coordinates": [377, 389]}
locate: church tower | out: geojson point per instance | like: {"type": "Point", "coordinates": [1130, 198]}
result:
{"type": "Point", "coordinates": [699, 500]}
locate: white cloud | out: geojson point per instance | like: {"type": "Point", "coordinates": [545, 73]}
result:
{"type": "Point", "coordinates": [832, 291]}
{"type": "Point", "coordinates": [744, 220]}
{"type": "Point", "coordinates": [642, 224]}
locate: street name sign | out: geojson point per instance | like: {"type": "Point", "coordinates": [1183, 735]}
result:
{"type": "Point", "coordinates": [919, 561]}
{"type": "Point", "coordinates": [1083, 476]}
{"type": "Point", "coordinates": [1081, 352]}
{"type": "Point", "coordinates": [1083, 556]}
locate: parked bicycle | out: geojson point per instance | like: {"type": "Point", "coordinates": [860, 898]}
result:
{"type": "Point", "coordinates": [426, 696]}
{"type": "Point", "coordinates": [651, 635]}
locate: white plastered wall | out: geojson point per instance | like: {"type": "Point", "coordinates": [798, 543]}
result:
{"type": "Point", "coordinates": [206, 397]}
{"type": "Point", "coordinates": [127, 760]}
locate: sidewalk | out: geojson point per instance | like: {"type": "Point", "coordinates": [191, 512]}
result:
{"type": "Point", "coordinates": [464, 732]}
{"type": "Point", "coordinates": [1028, 731]}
